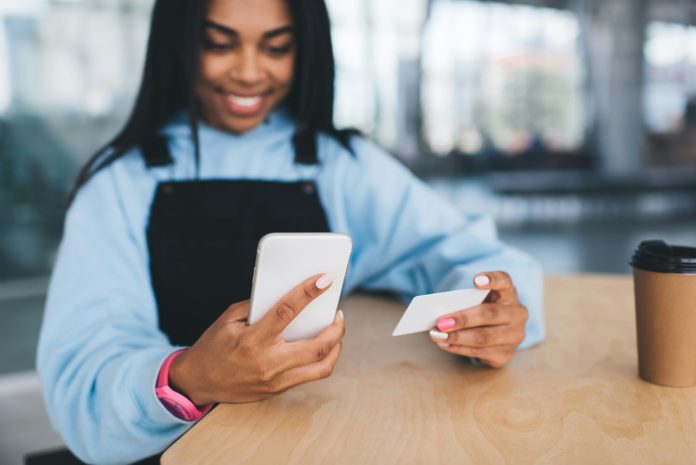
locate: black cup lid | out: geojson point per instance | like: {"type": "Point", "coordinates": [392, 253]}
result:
{"type": "Point", "coordinates": [661, 257]}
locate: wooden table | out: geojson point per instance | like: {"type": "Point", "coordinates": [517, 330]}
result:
{"type": "Point", "coordinates": [400, 400]}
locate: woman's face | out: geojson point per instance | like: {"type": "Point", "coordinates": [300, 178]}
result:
{"type": "Point", "coordinates": [247, 62]}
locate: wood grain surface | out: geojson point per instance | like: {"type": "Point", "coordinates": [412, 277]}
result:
{"type": "Point", "coordinates": [575, 399]}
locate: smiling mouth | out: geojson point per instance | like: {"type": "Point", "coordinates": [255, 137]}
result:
{"type": "Point", "coordinates": [245, 105]}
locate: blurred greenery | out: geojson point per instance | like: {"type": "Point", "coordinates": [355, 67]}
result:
{"type": "Point", "coordinates": [35, 175]}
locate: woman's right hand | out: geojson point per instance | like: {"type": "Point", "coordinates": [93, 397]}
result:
{"type": "Point", "coordinates": [235, 362]}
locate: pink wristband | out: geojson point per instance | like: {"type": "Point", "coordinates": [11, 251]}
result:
{"type": "Point", "coordinates": [178, 404]}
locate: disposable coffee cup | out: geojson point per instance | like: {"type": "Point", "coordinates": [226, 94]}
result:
{"type": "Point", "coordinates": [664, 278]}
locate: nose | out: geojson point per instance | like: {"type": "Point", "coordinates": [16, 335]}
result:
{"type": "Point", "coordinates": [247, 69]}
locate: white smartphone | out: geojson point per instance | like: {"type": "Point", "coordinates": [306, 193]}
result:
{"type": "Point", "coordinates": [284, 260]}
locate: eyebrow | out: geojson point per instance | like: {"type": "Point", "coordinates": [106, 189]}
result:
{"type": "Point", "coordinates": [231, 32]}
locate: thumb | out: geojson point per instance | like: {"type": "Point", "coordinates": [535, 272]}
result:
{"type": "Point", "coordinates": [238, 312]}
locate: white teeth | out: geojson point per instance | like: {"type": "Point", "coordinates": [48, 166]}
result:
{"type": "Point", "coordinates": [244, 101]}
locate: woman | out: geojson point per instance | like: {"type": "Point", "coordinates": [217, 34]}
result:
{"type": "Point", "coordinates": [231, 138]}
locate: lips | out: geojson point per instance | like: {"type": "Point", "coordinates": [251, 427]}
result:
{"type": "Point", "coordinates": [245, 105]}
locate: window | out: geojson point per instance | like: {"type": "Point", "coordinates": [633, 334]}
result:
{"type": "Point", "coordinates": [485, 79]}
{"type": "Point", "coordinates": [501, 75]}
{"type": "Point", "coordinates": [670, 93]}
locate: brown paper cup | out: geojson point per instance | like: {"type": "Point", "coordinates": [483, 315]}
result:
{"type": "Point", "coordinates": [666, 327]}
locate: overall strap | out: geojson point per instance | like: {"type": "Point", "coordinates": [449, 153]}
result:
{"type": "Point", "coordinates": [156, 152]}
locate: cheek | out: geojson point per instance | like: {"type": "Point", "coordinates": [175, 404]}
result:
{"type": "Point", "coordinates": [212, 70]}
{"type": "Point", "coordinates": [284, 71]}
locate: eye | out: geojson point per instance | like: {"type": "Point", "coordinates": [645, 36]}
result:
{"type": "Point", "coordinates": [279, 50]}
{"type": "Point", "coordinates": [214, 46]}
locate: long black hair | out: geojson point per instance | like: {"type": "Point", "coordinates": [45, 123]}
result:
{"type": "Point", "coordinates": [171, 69]}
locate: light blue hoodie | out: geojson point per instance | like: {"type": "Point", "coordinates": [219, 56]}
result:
{"type": "Point", "coordinates": [100, 347]}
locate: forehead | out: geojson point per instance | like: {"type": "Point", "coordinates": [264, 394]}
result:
{"type": "Point", "coordinates": [250, 16]}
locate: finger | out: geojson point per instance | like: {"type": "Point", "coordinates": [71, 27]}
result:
{"type": "Point", "coordinates": [485, 336]}
{"type": "Point", "coordinates": [305, 374]}
{"type": "Point", "coordinates": [308, 351]}
{"type": "Point", "coordinates": [486, 314]}
{"type": "Point", "coordinates": [495, 357]}
{"type": "Point", "coordinates": [500, 283]}
{"type": "Point", "coordinates": [290, 305]}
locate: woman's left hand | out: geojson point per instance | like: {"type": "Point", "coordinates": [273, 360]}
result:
{"type": "Point", "coordinates": [490, 332]}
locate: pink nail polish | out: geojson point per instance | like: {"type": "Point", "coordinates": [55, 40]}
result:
{"type": "Point", "coordinates": [325, 281]}
{"type": "Point", "coordinates": [445, 324]}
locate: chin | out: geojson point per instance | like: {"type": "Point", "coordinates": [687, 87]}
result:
{"type": "Point", "coordinates": [243, 126]}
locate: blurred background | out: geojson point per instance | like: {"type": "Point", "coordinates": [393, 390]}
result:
{"type": "Point", "coordinates": [572, 122]}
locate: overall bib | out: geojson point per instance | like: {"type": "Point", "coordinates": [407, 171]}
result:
{"type": "Point", "coordinates": [202, 239]}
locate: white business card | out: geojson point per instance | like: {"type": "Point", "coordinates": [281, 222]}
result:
{"type": "Point", "coordinates": [424, 310]}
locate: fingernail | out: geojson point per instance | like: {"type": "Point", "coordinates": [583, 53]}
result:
{"type": "Point", "coordinates": [447, 323]}
{"type": "Point", "coordinates": [438, 334]}
{"type": "Point", "coordinates": [482, 280]}
{"type": "Point", "coordinates": [325, 281]}
{"type": "Point", "coordinates": [443, 344]}
{"type": "Point", "coordinates": [340, 315]}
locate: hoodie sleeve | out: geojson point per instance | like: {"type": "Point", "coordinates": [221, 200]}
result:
{"type": "Point", "coordinates": [100, 348]}
{"type": "Point", "coordinates": [409, 240]}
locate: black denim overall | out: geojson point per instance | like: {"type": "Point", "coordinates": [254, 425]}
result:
{"type": "Point", "coordinates": [202, 238]}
